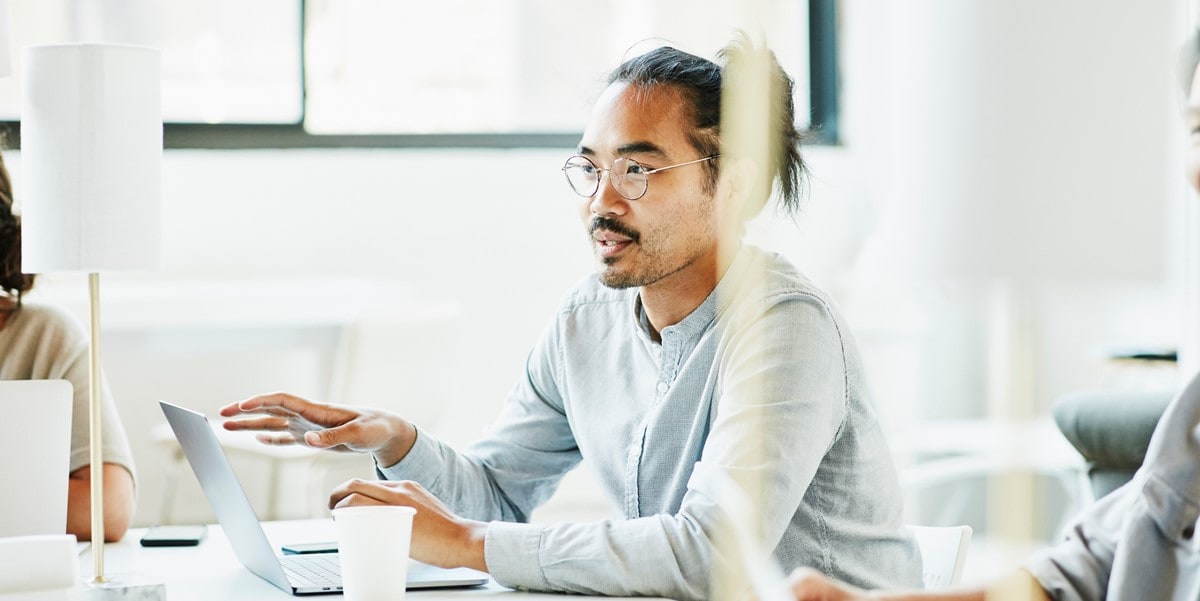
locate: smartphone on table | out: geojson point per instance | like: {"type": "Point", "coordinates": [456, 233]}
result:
{"type": "Point", "coordinates": [174, 536]}
{"type": "Point", "coordinates": [309, 548]}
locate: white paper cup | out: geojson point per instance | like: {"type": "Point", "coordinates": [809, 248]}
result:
{"type": "Point", "coordinates": [373, 543]}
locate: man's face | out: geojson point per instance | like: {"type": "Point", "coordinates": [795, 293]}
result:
{"type": "Point", "coordinates": [670, 233]}
{"type": "Point", "coordinates": [1192, 118]}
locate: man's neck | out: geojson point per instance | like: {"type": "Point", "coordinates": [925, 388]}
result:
{"type": "Point", "coordinates": [671, 299]}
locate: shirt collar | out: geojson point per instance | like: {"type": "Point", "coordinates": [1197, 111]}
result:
{"type": "Point", "coordinates": [717, 301]}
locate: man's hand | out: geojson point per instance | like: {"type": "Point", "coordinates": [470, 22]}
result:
{"type": "Point", "coordinates": [807, 584]}
{"type": "Point", "coordinates": [285, 419]}
{"type": "Point", "coordinates": [439, 537]}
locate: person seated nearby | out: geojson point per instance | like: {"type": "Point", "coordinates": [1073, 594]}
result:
{"type": "Point", "coordinates": [40, 342]}
{"type": "Point", "coordinates": [1138, 542]}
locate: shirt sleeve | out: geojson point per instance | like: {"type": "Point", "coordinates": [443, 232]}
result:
{"type": "Point", "coordinates": [517, 466]}
{"type": "Point", "coordinates": [66, 347]}
{"type": "Point", "coordinates": [1079, 568]}
{"type": "Point", "coordinates": [783, 401]}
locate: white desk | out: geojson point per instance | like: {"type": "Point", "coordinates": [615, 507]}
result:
{"type": "Point", "coordinates": [211, 571]}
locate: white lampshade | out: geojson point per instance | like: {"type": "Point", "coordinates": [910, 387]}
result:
{"type": "Point", "coordinates": [91, 145]}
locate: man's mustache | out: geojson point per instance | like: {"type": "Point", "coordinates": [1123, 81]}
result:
{"type": "Point", "coordinates": [614, 226]}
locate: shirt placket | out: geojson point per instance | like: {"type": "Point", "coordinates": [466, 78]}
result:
{"type": "Point", "coordinates": [667, 371]}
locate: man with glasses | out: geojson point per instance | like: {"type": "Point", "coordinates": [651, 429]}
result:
{"type": "Point", "coordinates": [714, 390]}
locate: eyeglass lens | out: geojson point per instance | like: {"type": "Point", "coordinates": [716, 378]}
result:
{"type": "Point", "coordinates": [628, 177]}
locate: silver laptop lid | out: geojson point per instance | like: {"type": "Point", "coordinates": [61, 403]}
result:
{"type": "Point", "coordinates": [237, 518]}
{"type": "Point", "coordinates": [225, 494]}
{"type": "Point", "coordinates": [42, 408]}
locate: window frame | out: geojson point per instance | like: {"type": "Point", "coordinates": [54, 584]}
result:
{"type": "Point", "coordinates": [823, 92]}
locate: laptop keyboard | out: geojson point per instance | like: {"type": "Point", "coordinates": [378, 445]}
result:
{"type": "Point", "coordinates": [320, 570]}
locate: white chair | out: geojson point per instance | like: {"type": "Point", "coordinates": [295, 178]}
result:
{"type": "Point", "coordinates": [943, 553]}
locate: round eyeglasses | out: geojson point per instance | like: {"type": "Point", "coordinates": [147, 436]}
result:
{"type": "Point", "coordinates": [628, 177]}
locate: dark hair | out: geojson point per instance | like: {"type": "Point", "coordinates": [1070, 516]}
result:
{"type": "Point", "coordinates": [702, 82]}
{"type": "Point", "coordinates": [12, 282]}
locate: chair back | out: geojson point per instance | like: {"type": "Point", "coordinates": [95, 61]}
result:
{"type": "Point", "coordinates": [1111, 430]}
{"type": "Point", "coordinates": [943, 553]}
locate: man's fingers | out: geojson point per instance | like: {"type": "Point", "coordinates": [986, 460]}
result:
{"type": "Point", "coordinates": [357, 487]}
{"type": "Point", "coordinates": [246, 405]}
{"type": "Point", "coordinates": [357, 500]}
{"type": "Point", "coordinates": [276, 439]}
{"type": "Point", "coordinates": [272, 424]}
{"type": "Point", "coordinates": [348, 434]}
{"type": "Point", "coordinates": [265, 401]}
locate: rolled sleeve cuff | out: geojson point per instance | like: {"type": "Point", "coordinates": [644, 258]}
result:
{"type": "Point", "coordinates": [1045, 572]}
{"type": "Point", "coordinates": [1065, 578]}
{"type": "Point", "coordinates": [513, 555]}
{"type": "Point", "coordinates": [423, 464]}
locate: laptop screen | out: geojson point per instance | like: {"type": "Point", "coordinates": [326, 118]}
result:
{"type": "Point", "coordinates": [43, 444]}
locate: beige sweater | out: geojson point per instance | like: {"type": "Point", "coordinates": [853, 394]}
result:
{"type": "Point", "coordinates": [40, 342]}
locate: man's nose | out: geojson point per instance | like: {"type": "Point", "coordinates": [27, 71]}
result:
{"type": "Point", "coordinates": [606, 200]}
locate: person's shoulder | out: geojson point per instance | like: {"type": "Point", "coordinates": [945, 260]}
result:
{"type": "Point", "coordinates": [781, 278]}
{"type": "Point", "coordinates": [48, 313]}
{"type": "Point", "coordinates": [49, 320]}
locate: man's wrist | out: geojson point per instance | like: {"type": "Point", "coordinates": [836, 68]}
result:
{"type": "Point", "coordinates": [398, 446]}
{"type": "Point", "coordinates": [474, 539]}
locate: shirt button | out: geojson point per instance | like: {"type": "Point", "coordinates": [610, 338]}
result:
{"type": "Point", "coordinates": [662, 387]}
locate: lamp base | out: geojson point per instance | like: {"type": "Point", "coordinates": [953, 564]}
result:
{"type": "Point", "coordinates": [123, 587]}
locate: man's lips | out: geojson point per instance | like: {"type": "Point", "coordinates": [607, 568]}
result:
{"type": "Point", "coordinates": [611, 237]}
{"type": "Point", "coordinates": [609, 245]}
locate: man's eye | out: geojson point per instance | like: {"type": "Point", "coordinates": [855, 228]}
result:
{"type": "Point", "coordinates": [586, 169]}
{"type": "Point", "coordinates": [634, 169]}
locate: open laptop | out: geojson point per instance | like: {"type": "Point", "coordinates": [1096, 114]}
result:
{"type": "Point", "coordinates": [296, 574]}
{"type": "Point", "coordinates": [36, 454]}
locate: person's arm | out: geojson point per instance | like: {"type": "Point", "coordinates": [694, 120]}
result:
{"type": "Point", "coordinates": [806, 584]}
{"type": "Point", "coordinates": [782, 401]}
{"type": "Point", "coordinates": [284, 419]}
{"type": "Point", "coordinates": [439, 537]}
{"type": "Point", "coordinates": [518, 464]}
{"type": "Point", "coordinates": [503, 477]}
{"type": "Point", "coordinates": [118, 502]}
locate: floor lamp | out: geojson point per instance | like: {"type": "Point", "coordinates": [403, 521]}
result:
{"type": "Point", "coordinates": [91, 140]}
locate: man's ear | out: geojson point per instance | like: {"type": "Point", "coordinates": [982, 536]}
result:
{"type": "Point", "coordinates": [736, 185]}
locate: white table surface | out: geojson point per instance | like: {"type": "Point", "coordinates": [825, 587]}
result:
{"type": "Point", "coordinates": [210, 570]}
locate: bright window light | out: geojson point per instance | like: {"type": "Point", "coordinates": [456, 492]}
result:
{"type": "Point", "coordinates": [505, 66]}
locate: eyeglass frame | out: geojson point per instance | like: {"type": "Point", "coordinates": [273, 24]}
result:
{"type": "Point", "coordinates": [648, 172]}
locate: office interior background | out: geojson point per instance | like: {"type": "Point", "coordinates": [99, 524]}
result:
{"type": "Point", "coordinates": [362, 204]}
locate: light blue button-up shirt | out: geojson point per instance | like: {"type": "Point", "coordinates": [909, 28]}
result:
{"type": "Point", "coordinates": [1140, 541]}
{"type": "Point", "coordinates": [757, 394]}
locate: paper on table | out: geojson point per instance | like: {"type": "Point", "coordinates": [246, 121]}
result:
{"type": "Point", "coordinates": [38, 563]}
